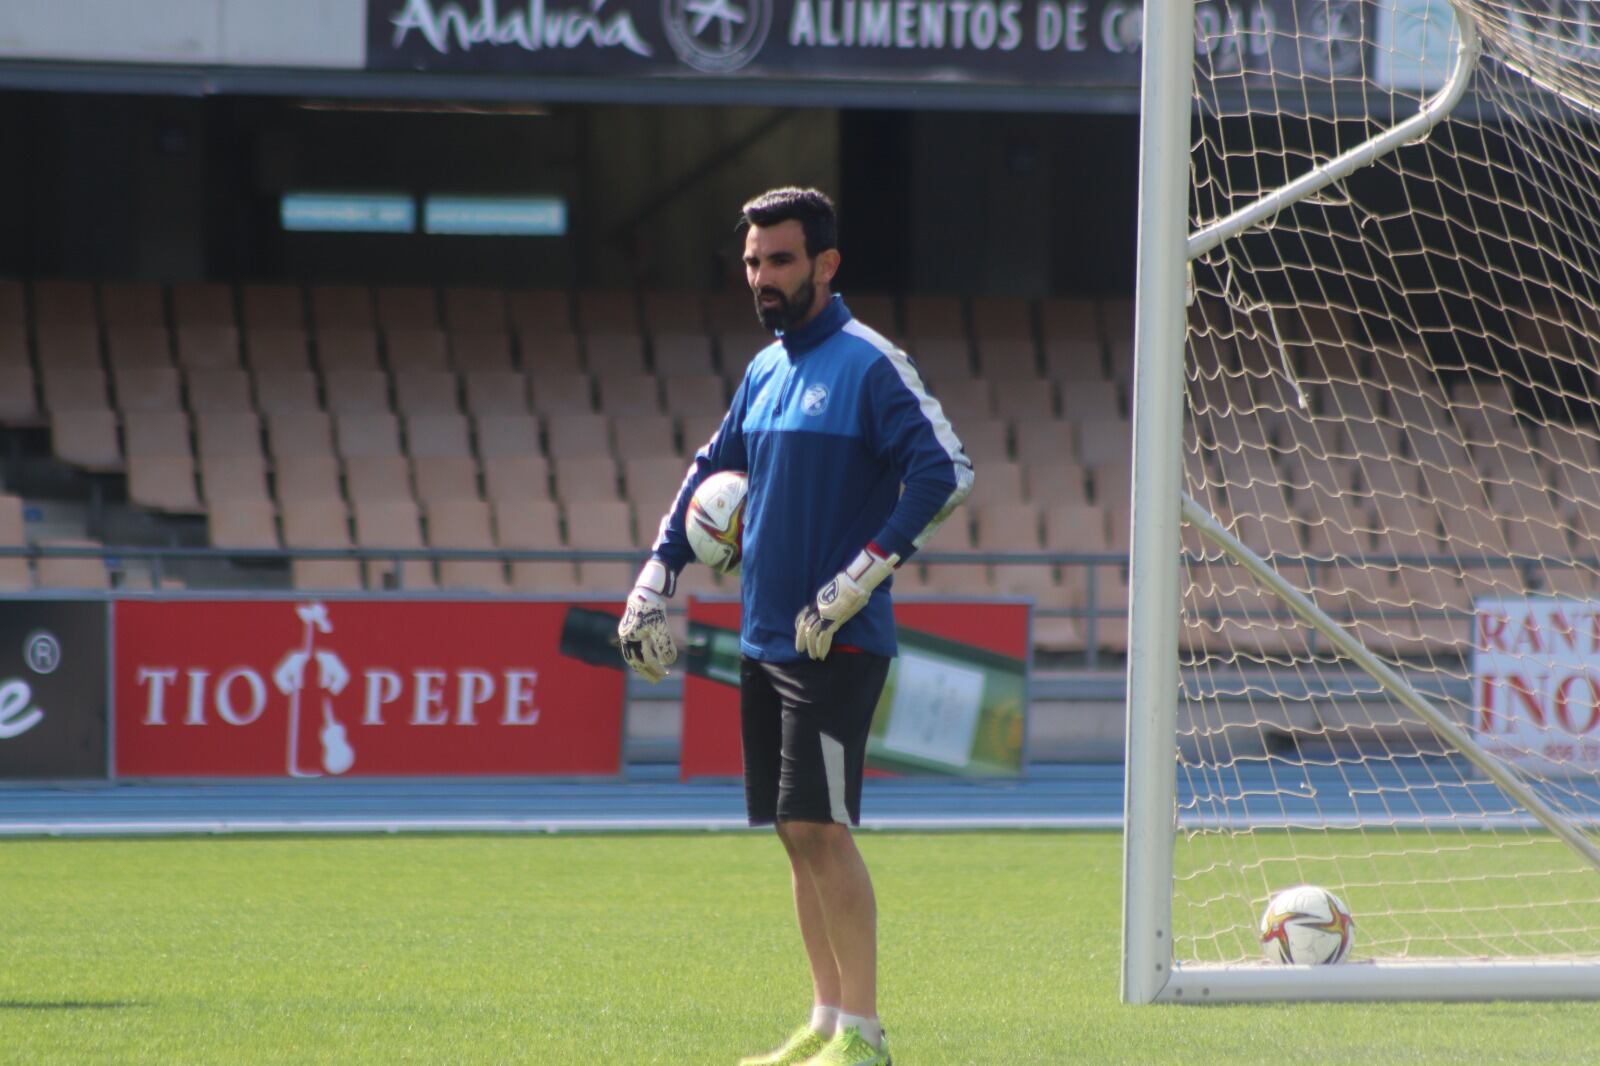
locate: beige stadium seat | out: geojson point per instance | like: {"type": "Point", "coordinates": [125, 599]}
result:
{"type": "Point", "coordinates": [507, 435]}
{"type": "Point", "coordinates": [445, 480]}
{"type": "Point", "coordinates": [78, 572]}
{"type": "Point", "coordinates": [208, 347]}
{"type": "Point", "coordinates": [1077, 360]}
{"type": "Point", "coordinates": [1000, 359]}
{"type": "Point", "coordinates": [1024, 400]}
{"type": "Point", "coordinates": [479, 351]}
{"type": "Point", "coordinates": [347, 349]}
{"type": "Point", "coordinates": [163, 483]}
{"type": "Point", "coordinates": [132, 303]}
{"type": "Point", "coordinates": [234, 434]}
{"type": "Point", "coordinates": [643, 435]}
{"type": "Point", "coordinates": [1084, 398]}
{"type": "Point", "coordinates": [1049, 483]}
{"type": "Point", "coordinates": [416, 349]}
{"type": "Point", "coordinates": [1079, 527]}
{"type": "Point", "coordinates": [602, 525]}
{"type": "Point", "coordinates": [87, 439]}
{"type": "Point", "coordinates": [674, 311]}
{"type": "Point", "coordinates": [15, 573]}
{"type": "Point", "coordinates": [360, 435]}
{"type": "Point", "coordinates": [580, 434]}
{"type": "Point", "coordinates": [549, 310]}
{"type": "Point", "coordinates": [681, 354]}
{"type": "Point", "coordinates": [944, 359]}
{"type": "Point", "coordinates": [307, 477]}
{"type": "Point", "coordinates": [876, 309]}
{"type": "Point", "coordinates": [652, 484]}
{"type": "Point", "coordinates": [534, 525]}
{"type": "Point", "coordinates": [273, 307]}
{"type": "Point", "coordinates": [74, 388]}
{"type": "Point", "coordinates": [516, 478]}
{"type": "Point", "coordinates": [155, 433]}
{"type": "Point", "coordinates": [227, 478]}
{"type": "Point", "coordinates": [1104, 441]}
{"type": "Point", "coordinates": [738, 348]}
{"type": "Point", "coordinates": [929, 315]}
{"type": "Point", "coordinates": [695, 394]}
{"type": "Point", "coordinates": [999, 482]}
{"type": "Point", "coordinates": [696, 430]}
{"type": "Point", "coordinates": [629, 394]}
{"type": "Point", "coordinates": [963, 400]}
{"type": "Point", "coordinates": [984, 439]}
{"type": "Point", "coordinates": [19, 401]}
{"type": "Point", "coordinates": [393, 524]}
{"type": "Point", "coordinates": [277, 350]}
{"type": "Point", "coordinates": [610, 311]}
{"type": "Point", "coordinates": [286, 391]}
{"type": "Point", "coordinates": [1002, 318]}
{"type": "Point", "coordinates": [475, 310]}
{"type": "Point", "coordinates": [356, 392]}
{"type": "Point", "coordinates": [138, 346]}
{"type": "Point", "coordinates": [219, 391]}
{"type": "Point", "coordinates": [377, 477]}
{"type": "Point", "coordinates": [426, 392]}
{"type": "Point", "coordinates": [496, 392]}
{"type": "Point", "coordinates": [733, 309]}
{"type": "Point", "coordinates": [299, 433]}
{"type": "Point", "coordinates": [243, 524]}
{"type": "Point", "coordinates": [407, 307]}
{"type": "Point", "coordinates": [550, 353]}
{"type": "Point", "coordinates": [203, 303]}
{"type": "Point", "coordinates": [319, 523]}
{"type": "Point", "coordinates": [438, 436]}
{"type": "Point", "coordinates": [960, 578]}
{"type": "Point", "coordinates": [1014, 527]}
{"type": "Point", "coordinates": [13, 303]}
{"type": "Point", "coordinates": [614, 354]}
{"type": "Point", "coordinates": [64, 301]}
{"type": "Point", "coordinates": [561, 393]}
{"type": "Point", "coordinates": [465, 525]}
{"type": "Point", "coordinates": [585, 477]}
{"type": "Point", "coordinates": [342, 307]}
{"type": "Point", "coordinates": [147, 388]}
{"type": "Point", "coordinates": [62, 345]}
{"type": "Point", "coordinates": [1044, 442]}
{"type": "Point", "coordinates": [14, 345]}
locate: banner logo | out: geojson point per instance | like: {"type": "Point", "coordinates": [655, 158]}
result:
{"type": "Point", "coordinates": [42, 651]}
{"type": "Point", "coordinates": [717, 36]}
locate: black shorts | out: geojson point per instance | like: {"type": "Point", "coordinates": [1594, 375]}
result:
{"type": "Point", "coordinates": [804, 726]}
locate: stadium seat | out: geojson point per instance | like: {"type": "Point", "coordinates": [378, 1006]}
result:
{"type": "Point", "coordinates": [273, 307]}
{"type": "Point", "coordinates": [14, 345]}
{"type": "Point", "coordinates": [243, 524]}
{"type": "Point", "coordinates": [561, 393]}
{"type": "Point", "coordinates": [1088, 398]}
{"type": "Point", "coordinates": [733, 309]}
{"type": "Point", "coordinates": [1044, 442]}
{"type": "Point", "coordinates": [438, 436]}
{"type": "Point", "coordinates": [19, 401]}
{"type": "Point", "coordinates": [696, 430]}
{"type": "Point", "coordinates": [585, 477]}
{"type": "Point", "coordinates": [347, 349]}
{"type": "Point", "coordinates": [1002, 318]}
{"type": "Point", "coordinates": [156, 433]}
{"type": "Point", "coordinates": [643, 435]}
{"type": "Point", "coordinates": [367, 434]}
{"type": "Point", "coordinates": [629, 394]}
{"type": "Point", "coordinates": [208, 347]}
{"type": "Point", "coordinates": [445, 480]}
{"type": "Point", "coordinates": [999, 483]}
{"type": "Point", "coordinates": [13, 303]}
{"type": "Point", "coordinates": [738, 347]}
{"type": "Point", "coordinates": [86, 438]}
{"type": "Point", "coordinates": [74, 388]}
{"type": "Point", "coordinates": [147, 388]}
{"type": "Point", "coordinates": [475, 310]}
{"type": "Point", "coordinates": [426, 392]}
{"type": "Point", "coordinates": [678, 354]}
{"type": "Point", "coordinates": [514, 435]}
{"type": "Point", "coordinates": [416, 349]}
{"type": "Point", "coordinates": [1000, 358]}
{"type": "Point", "coordinates": [651, 484]}
{"type": "Point", "coordinates": [203, 304]}
{"type": "Point", "coordinates": [219, 391]}
{"type": "Point", "coordinates": [233, 478]}
{"type": "Point", "coordinates": [64, 345]}
{"type": "Point", "coordinates": [576, 434]}
{"type": "Point", "coordinates": [132, 303]}
{"type": "Point", "coordinates": [534, 525]}
{"type": "Point", "coordinates": [613, 354]}
{"type": "Point", "coordinates": [1022, 400]}
{"type": "Point", "coordinates": [342, 307]}
{"type": "Point", "coordinates": [516, 478]}
{"type": "Point", "coordinates": [299, 433]}
{"type": "Point", "coordinates": [696, 394]}
{"type": "Point", "coordinates": [231, 434]}
{"type": "Point", "coordinates": [549, 310]}
{"type": "Point", "coordinates": [482, 351]}
{"type": "Point", "coordinates": [944, 359]}
{"type": "Point", "coordinates": [319, 522]}
{"type": "Point", "coordinates": [70, 302]}
{"type": "Point", "coordinates": [609, 311]}
{"type": "Point", "coordinates": [307, 477]}
{"type": "Point", "coordinates": [1074, 359]}
{"type": "Point", "coordinates": [407, 307]}
{"type": "Point", "coordinates": [465, 525]}
{"type": "Point", "coordinates": [391, 523]}
{"type": "Point", "coordinates": [1014, 527]}
{"type": "Point", "coordinates": [15, 573]}
{"type": "Point", "coordinates": [931, 316]}
{"type": "Point", "coordinates": [985, 439]}
{"type": "Point", "coordinates": [602, 525]}
{"type": "Point", "coordinates": [377, 478]}
{"type": "Point", "coordinates": [138, 346]}
{"type": "Point", "coordinates": [281, 392]}
{"type": "Point", "coordinates": [876, 309]}
{"type": "Point", "coordinates": [71, 573]}
{"type": "Point", "coordinates": [956, 579]}
{"type": "Point", "coordinates": [544, 352]}
{"type": "Point", "coordinates": [963, 399]}
{"type": "Point", "coordinates": [163, 483]}
{"type": "Point", "coordinates": [674, 311]}
{"type": "Point", "coordinates": [1104, 440]}
{"type": "Point", "coordinates": [277, 350]}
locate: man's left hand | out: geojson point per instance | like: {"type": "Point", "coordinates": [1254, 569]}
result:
{"type": "Point", "coordinates": [840, 600]}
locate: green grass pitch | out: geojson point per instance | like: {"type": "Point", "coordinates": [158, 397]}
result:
{"type": "Point", "coordinates": [676, 949]}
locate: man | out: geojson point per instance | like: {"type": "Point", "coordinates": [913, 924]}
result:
{"type": "Point", "coordinates": [851, 465]}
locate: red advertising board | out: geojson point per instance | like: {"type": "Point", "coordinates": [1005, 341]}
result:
{"type": "Point", "coordinates": [289, 688]}
{"type": "Point", "coordinates": [967, 715]}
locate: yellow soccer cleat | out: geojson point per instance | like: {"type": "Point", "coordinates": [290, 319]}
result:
{"type": "Point", "coordinates": [801, 1047]}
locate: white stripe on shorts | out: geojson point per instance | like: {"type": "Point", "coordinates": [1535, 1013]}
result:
{"type": "Point", "coordinates": [833, 770]}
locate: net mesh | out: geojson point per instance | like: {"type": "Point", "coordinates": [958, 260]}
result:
{"type": "Point", "coordinates": [1391, 397]}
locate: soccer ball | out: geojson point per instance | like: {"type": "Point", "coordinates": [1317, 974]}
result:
{"type": "Point", "coordinates": [715, 521]}
{"type": "Point", "coordinates": [1306, 924]}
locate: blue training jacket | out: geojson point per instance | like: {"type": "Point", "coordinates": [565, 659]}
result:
{"type": "Point", "coordinates": [830, 422]}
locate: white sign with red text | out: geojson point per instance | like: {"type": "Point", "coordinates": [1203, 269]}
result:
{"type": "Point", "coordinates": [1536, 683]}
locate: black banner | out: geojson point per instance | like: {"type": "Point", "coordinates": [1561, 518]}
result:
{"type": "Point", "coordinates": [53, 713]}
{"type": "Point", "coordinates": [1045, 43]}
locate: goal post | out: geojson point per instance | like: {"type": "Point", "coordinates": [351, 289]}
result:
{"type": "Point", "coordinates": [1366, 499]}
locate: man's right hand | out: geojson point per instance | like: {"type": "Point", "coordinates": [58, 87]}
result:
{"type": "Point", "coordinates": [647, 647]}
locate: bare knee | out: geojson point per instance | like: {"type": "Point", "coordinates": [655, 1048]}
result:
{"type": "Point", "coordinates": [813, 842]}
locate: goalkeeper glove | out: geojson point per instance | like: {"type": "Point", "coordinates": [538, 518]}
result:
{"type": "Point", "coordinates": [839, 601]}
{"type": "Point", "coordinates": [647, 647]}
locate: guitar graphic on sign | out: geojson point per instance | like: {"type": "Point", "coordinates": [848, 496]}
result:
{"type": "Point", "coordinates": [332, 677]}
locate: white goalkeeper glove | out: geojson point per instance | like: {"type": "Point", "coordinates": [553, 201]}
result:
{"type": "Point", "coordinates": [839, 601]}
{"type": "Point", "coordinates": [646, 645]}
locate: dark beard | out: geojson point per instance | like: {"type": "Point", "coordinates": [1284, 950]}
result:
{"type": "Point", "coordinates": [787, 313]}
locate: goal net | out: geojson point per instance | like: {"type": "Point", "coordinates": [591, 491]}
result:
{"type": "Point", "coordinates": [1391, 400]}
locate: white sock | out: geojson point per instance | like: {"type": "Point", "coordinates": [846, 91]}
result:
{"type": "Point", "coordinates": [871, 1029]}
{"type": "Point", "coordinates": [824, 1020]}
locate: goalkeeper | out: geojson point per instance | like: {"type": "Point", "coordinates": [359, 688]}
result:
{"type": "Point", "coordinates": [852, 466]}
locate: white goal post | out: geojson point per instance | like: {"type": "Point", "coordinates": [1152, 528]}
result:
{"type": "Point", "coordinates": [1366, 414]}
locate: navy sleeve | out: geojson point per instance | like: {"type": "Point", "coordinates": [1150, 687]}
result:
{"type": "Point", "coordinates": [906, 426]}
{"type": "Point", "coordinates": [724, 451]}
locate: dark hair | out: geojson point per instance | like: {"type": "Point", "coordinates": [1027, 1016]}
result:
{"type": "Point", "coordinates": [810, 207]}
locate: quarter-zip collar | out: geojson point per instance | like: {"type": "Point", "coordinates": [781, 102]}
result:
{"type": "Point", "coordinates": [829, 321]}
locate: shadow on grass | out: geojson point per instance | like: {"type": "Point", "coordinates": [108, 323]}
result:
{"type": "Point", "coordinates": [66, 1004]}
